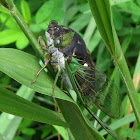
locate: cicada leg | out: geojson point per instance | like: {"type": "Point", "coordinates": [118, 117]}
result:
{"type": "Point", "coordinates": [56, 78]}
{"type": "Point", "coordinates": [43, 43]}
{"type": "Point", "coordinates": [69, 59]}
{"type": "Point", "coordinates": [46, 55]}
{"type": "Point", "coordinates": [62, 80]}
{"type": "Point", "coordinates": [45, 64]}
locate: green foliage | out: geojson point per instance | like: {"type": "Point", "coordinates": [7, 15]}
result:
{"type": "Point", "coordinates": [53, 9]}
{"type": "Point", "coordinates": [10, 31]}
{"type": "Point", "coordinates": [22, 67]}
{"type": "Point", "coordinates": [25, 9]}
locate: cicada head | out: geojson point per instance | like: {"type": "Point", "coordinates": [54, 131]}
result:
{"type": "Point", "coordinates": [53, 34]}
{"type": "Point", "coordinates": [54, 29]}
{"type": "Point", "coordinates": [62, 36]}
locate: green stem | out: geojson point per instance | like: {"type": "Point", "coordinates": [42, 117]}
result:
{"type": "Point", "coordinates": [123, 68]}
{"type": "Point", "coordinates": [119, 58]}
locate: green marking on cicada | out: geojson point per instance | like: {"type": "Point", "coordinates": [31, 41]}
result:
{"type": "Point", "coordinates": [64, 41]}
{"type": "Point", "coordinates": [67, 39]}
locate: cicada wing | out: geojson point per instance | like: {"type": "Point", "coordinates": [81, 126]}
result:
{"type": "Point", "coordinates": [96, 88]}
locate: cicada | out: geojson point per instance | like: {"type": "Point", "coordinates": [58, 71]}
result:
{"type": "Point", "coordinates": [95, 88]}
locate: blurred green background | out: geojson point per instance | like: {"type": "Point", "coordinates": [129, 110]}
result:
{"type": "Point", "coordinates": [75, 14]}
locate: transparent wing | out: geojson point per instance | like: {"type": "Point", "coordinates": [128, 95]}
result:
{"type": "Point", "coordinates": [96, 88]}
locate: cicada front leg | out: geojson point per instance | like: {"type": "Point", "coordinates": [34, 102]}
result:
{"type": "Point", "coordinates": [44, 47]}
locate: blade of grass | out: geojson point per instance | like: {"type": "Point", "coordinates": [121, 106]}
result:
{"type": "Point", "coordinates": [74, 117]}
{"type": "Point", "coordinates": [101, 11]}
{"type": "Point", "coordinates": [1, 138]}
{"type": "Point", "coordinates": [136, 76]}
{"type": "Point", "coordinates": [121, 122]}
{"type": "Point", "coordinates": [13, 104]}
{"type": "Point", "coordinates": [10, 123]}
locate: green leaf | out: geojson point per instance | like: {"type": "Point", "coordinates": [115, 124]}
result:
{"type": "Point", "coordinates": [4, 10]}
{"type": "Point", "coordinates": [22, 41]}
{"type": "Point", "coordinates": [10, 121]}
{"type": "Point", "coordinates": [136, 77]}
{"type": "Point", "coordinates": [117, 18]}
{"type": "Point", "coordinates": [23, 67]}
{"type": "Point", "coordinates": [10, 23]}
{"type": "Point", "coordinates": [67, 3]}
{"type": "Point", "coordinates": [28, 131]}
{"type": "Point", "coordinates": [138, 2]}
{"type": "Point", "coordinates": [81, 22]}
{"type": "Point", "coordinates": [128, 133]}
{"type": "Point", "coordinates": [130, 7]}
{"type": "Point", "coordinates": [63, 132]}
{"type": "Point", "coordinates": [77, 123]}
{"type": "Point", "coordinates": [115, 2]}
{"type": "Point", "coordinates": [89, 31]}
{"type": "Point", "coordinates": [44, 12]}
{"type": "Point", "coordinates": [9, 36]}
{"type": "Point", "coordinates": [25, 9]}
{"type": "Point", "coordinates": [1, 138]}
{"type": "Point", "coordinates": [84, 8]}
{"type": "Point", "coordinates": [35, 5]}
{"type": "Point", "coordinates": [50, 11]}
{"type": "Point", "coordinates": [35, 28]}
{"type": "Point", "coordinates": [11, 103]}
{"type": "Point", "coordinates": [69, 15]}
{"type": "Point", "coordinates": [121, 122]}
{"type": "Point", "coordinates": [101, 11]}
{"type": "Point", "coordinates": [93, 44]}
{"type": "Point", "coordinates": [103, 62]}
{"type": "Point", "coordinates": [136, 18]}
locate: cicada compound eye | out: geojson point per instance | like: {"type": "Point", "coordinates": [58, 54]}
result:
{"type": "Point", "coordinates": [57, 42]}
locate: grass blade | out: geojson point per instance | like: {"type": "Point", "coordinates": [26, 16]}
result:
{"type": "Point", "coordinates": [101, 11]}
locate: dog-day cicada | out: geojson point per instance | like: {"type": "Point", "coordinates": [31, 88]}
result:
{"type": "Point", "coordinates": [64, 44]}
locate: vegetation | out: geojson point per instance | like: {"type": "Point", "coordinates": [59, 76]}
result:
{"type": "Point", "coordinates": [114, 47]}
